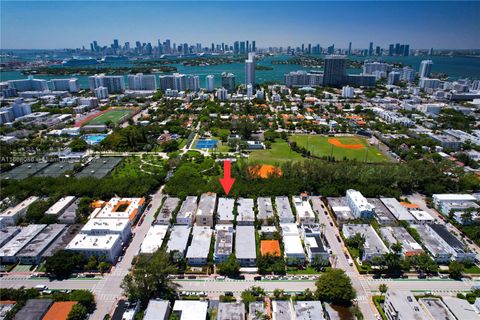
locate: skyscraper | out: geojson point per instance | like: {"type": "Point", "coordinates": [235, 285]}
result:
{"type": "Point", "coordinates": [331, 49]}
{"type": "Point", "coordinates": [406, 50]}
{"type": "Point", "coordinates": [140, 81]}
{"type": "Point", "coordinates": [370, 49]}
{"type": "Point", "coordinates": [228, 81]}
{"type": "Point", "coordinates": [242, 47]}
{"type": "Point", "coordinates": [390, 50]}
{"type": "Point", "coordinates": [250, 69]}
{"type": "Point", "coordinates": [210, 82]}
{"type": "Point", "coordinates": [193, 83]}
{"type": "Point", "coordinates": [425, 68]}
{"type": "Point", "coordinates": [253, 46]}
{"type": "Point", "coordinates": [334, 71]}
{"type": "Point", "coordinates": [350, 48]}
{"type": "Point", "coordinates": [236, 48]}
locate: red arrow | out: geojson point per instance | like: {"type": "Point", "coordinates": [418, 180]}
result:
{"type": "Point", "coordinates": [227, 181]}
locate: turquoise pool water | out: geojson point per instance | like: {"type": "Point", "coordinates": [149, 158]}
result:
{"type": "Point", "coordinates": [93, 139]}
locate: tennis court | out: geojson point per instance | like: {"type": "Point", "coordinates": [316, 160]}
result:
{"type": "Point", "coordinates": [99, 167]}
{"type": "Point", "coordinates": [56, 169]}
{"type": "Point", "coordinates": [24, 170]}
{"type": "Point", "coordinates": [206, 144]}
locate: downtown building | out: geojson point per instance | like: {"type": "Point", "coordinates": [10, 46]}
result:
{"type": "Point", "coordinates": [303, 78]}
{"type": "Point", "coordinates": [29, 84]}
{"type": "Point", "coordinates": [70, 85]}
{"type": "Point", "coordinates": [250, 69]}
{"type": "Point", "coordinates": [228, 81]}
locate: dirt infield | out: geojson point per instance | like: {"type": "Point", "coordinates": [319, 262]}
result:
{"type": "Point", "coordinates": [264, 171]}
{"type": "Point", "coordinates": [340, 144]}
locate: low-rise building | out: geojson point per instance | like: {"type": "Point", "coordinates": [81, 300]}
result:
{"type": "Point", "coordinates": [9, 251]}
{"type": "Point", "coordinates": [460, 308]}
{"type": "Point", "coordinates": [373, 246]}
{"type": "Point", "coordinates": [359, 205]}
{"type": "Point", "coordinates": [448, 202]}
{"type": "Point", "coordinates": [206, 209]}
{"type": "Point", "coordinates": [60, 206]}
{"type": "Point", "coordinates": [314, 244]}
{"type": "Point", "coordinates": [436, 308]}
{"type": "Point", "coordinates": [265, 210]}
{"type": "Point", "coordinates": [223, 242]}
{"type": "Point", "coordinates": [167, 210]}
{"type": "Point", "coordinates": [108, 246]}
{"type": "Point", "coordinates": [186, 214]}
{"type": "Point", "coordinates": [33, 252]}
{"type": "Point", "coordinates": [421, 216]}
{"type": "Point", "coordinates": [225, 210]}
{"type": "Point", "coordinates": [400, 235]}
{"type": "Point", "coordinates": [308, 310]}
{"type": "Point", "coordinates": [245, 213]}
{"type": "Point", "coordinates": [382, 214]}
{"type": "Point", "coordinates": [402, 305]}
{"type": "Point", "coordinates": [256, 310]}
{"type": "Point", "coordinates": [157, 310]}
{"type": "Point", "coordinates": [282, 310]}
{"type": "Point", "coordinates": [245, 247]}
{"type": "Point", "coordinates": [197, 254]}
{"type": "Point", "coordinates": [340, 209]}
{"type": "Point", "coordinates": [436, 247]}
{"type": "Point", "coordinates": [177, 243]}
{"type": "Point", "coordinates": [399, 211]}
{"type": "Point", "coordinates": [231, 311]}
{"type": "Point", "coordinates": [34, 309]}
{"type": "Point", "coordinates": [122, 227]}
{"type": "Point", "coordinates": [7, 234]}
{"type": "Point", "coordinates": [303, 210]}
{"type": "Point", "coordinates": [459, 250]}
{"type": "Point", "coordinates": [154, 238]}
{"type": "Point", "coordinates": [284, 211]}
{"type": "Point", "coordinates": [190, 310]}
{"type": "Point", "coordinates": [121, 208]}
{"type": "Point", "coordinates": [11, 215]}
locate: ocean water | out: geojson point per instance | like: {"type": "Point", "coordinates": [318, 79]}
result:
{"type": "Point", "coordinates": [456, 67]}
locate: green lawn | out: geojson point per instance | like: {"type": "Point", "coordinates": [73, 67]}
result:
{"type": "Point", "coordinates": [112, 115]}
{"type": "Point", "coordinates": [280, 152]}
{"type": "Point", "coordinates": [319, 146]}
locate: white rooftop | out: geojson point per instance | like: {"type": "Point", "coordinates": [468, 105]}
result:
{"type": "Point", "coordinates": [60, 205]}
{"type": "Point", "coordinates": [201, 239]}
{"type": "Point", "coordinates": [190, 310]}
{"type": "Point", "coordinates": [93, 242]}
{"type": "Point", "coordinates": [154, 238]}
{"type": "Point", "coordinates": [292, 245]}
{"type": "Point", "coordinates": [114, 225]}
{"type": "Point", "coordinates": [454, 197]}
{"type": "Point", "coordinates": [19, 207]}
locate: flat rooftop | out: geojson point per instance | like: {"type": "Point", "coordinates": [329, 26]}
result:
{"type": "Point", "coordinates": [157, 309]}
{"type": "Point", "coordinates": [121, 208]}
{"type": "Point", "coordinates": [373, 243]}
{"type": "Point", "coordinates": [384, 216]}
{"type": "Point", "coordinates": [436, 308]}
{"type": "Point", "coordinates": [265, 208]}
{"type": "Point", "coordinates": [154, 238]}
{"type": "Point", "coordinates": [448, 237]}
{"type": "Point", "coordinates": [93, 242]}
{"type": "Point", "coordinates": [231, 311]}
{"type": "Point", "coordinates": [225, 209]}
{"type": "Point", "coordinates": [245, 209]}
{"type": "Point", "coordinates": [256, 310]}
{"type": "Point", "coordinates": [303, 207]}
{"type": "Point", "coordinates": [460, 308]}
{"type": "Point", "coordinates": [113, 225]}
{"type": "Point", "coordinates": [308, 310]}
{"type": "Point", "coordinates": [188, 208]}
{"type": "Point", "coordinates": [201, 239]}
{"type": "Point", "coordinates": [190, 310]}
{"type": "Point", "coordinates": [431, 241]}
{"type": "Point", "coordinates": [406, 305]}
{"type": "Point", "coordinates": [284, 210]}
{"type": "Point", "coordinates": [168, 207]}
{"type": "Point", "coordinates": [60, 205]}
{"type": "Point", "coordinates": [8, 233]}
{"type": "Point", "coordinates": [282, 310]}
{"type": "Point", "coordinates": [178, 240]}
{"type": "Point", "coordinates": [34, 309]}
{"type": "Point", "coordinates": [340, 208]}
{"type": "Point", "coordinates": [223, 242]}
{"type": "Point", "coordinates": [206, 205]}
{"type": "Point", "coordinates": [245, 247]}
{"type": "Point", "coordinates": [19, 241]}
{"type": "Point", "coordinates": [12, 211]}
{"type": "Point", "coordinates": [42, 241]}
{"type": "Point", "coordinates": [292, 245]}
{"type": "Point", "coordinates": [399, 211]}
{"type": "Point", "coordinates": [401, 235]}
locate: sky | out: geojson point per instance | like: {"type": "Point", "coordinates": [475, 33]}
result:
{"type": "Point", "coordinates": [73, 24]}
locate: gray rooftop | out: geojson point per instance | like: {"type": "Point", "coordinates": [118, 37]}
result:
{"type": "Point", "coordinates": [178, 240]}
{"type": "Point", "coordinates": [461, 309]}
{"type": "Point", "coordinates": [399, 211]}
{"type": "Point", "coordinates": [436, 308]}
{"type": "Point", "coordinates": [284, 210]}
{"type": "Point", "coordinates": [231, 311]}
{"type": "Point", "coordinates": [188, 208]}
{"type": "Point", "coordinates": [245, 242]}
{"type": "Point", "coordinates": [223, 242]}
{"type": "Point", "coordinates": [245, 210]}
{"type": "Point", "coordinates": [70, 213]}
{"type": "Point", "coordinates": [340, 208]}
{"type": "Point", "coordinates": [34, 309]}
{"type": "Point", "coordinates": [200, 246]}
{"type": "Point", "coordinates": [308, 310]}
{"type": "Point", "coordinates": [401, 235]}
{"type": "Point", "coordinates": [431, 241]}
{"type": "Point", "coordinates": [206, 205]}
{"type": "Point", "coordinates": [21, 240]}
{"type": "Point", "coordinates": [373, 243]}
{"type": "Point", "coordinates": [384, 216]}
{"type": "Point", "coordinates": [157, 309]}
{"type": "Point", "coordinates": [265, 208]}
{"type": "Point", "coordinates": [8, 233]}
{"type": "Point", "coordinates": [42, 241]}
{"type": "Point", "coordinates": [165, 213]}
{"type": "Point", "coordinates": [282, 310]}
{"type": "Point", "coordinates": [225, 209]}
{"type": "Point", "coordinates": [256, 310]}
{"type": "Point", "coordinates": [405, 305]}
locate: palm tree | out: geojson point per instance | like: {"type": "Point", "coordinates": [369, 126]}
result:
{"type": "Point", "coordinates": [383, 288]}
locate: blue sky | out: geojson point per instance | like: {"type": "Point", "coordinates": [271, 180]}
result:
{"type": "Point", "coordinates": [71, 24]}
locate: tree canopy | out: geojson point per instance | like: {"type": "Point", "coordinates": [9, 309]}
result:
{"type": "Point", "coordinates": [335, 286]}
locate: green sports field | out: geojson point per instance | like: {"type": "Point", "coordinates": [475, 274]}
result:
{"type": "Point", "coordinates": [112, 115]}
{"type": "Point", "coordinates": [320, 146]}
{"type": "Point", "coordinates": [280, 152]}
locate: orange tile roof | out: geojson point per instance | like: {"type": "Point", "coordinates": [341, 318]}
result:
{"type": "Point", "coordinates": [271, 247]}
{"type": "Point", "coordinates": [59, 310]}
{"type": "Point", "coordinates": [410, 205]}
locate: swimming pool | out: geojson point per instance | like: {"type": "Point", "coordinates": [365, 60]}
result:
{"type": "Point", "coordinates": [93, 139]}
{"type": "Point", "coordinates": [206, 144]}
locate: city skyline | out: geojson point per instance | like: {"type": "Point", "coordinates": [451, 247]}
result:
{"type": "Point", "coordinates": [76, 24]}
